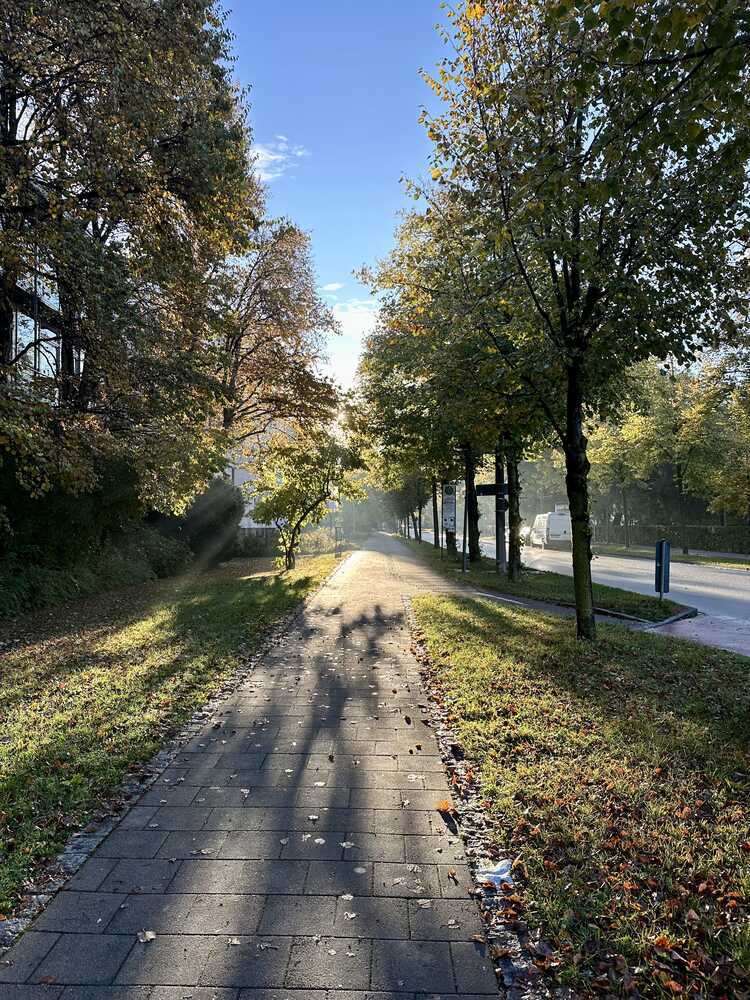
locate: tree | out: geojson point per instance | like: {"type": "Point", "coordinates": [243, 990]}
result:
{"type": "Point", "coordinates": [273, 322]}
{"type": "Point", "coordinates": [604, 147]}
{"type": "Point", "coordinates": [299, 475]}
{"type": "Point", "coordinates": [125, 181]}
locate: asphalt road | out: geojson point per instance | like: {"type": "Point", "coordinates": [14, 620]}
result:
{"type": "Point", "coordinates": [713, 590]}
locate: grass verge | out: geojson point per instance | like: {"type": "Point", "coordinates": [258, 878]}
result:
{"type": "Point", "coordinates": [96, 687]}
{"type": "Point", "coordinates": [617, 775]}
{"type": "Point", "coordinates": [642, 552]}
{"type": "Point", "coordinates": [545, 586]}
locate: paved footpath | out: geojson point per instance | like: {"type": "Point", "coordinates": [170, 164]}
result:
{"type": "Point", "coordinates": [294, 848]}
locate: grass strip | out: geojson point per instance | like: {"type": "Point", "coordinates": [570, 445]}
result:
{"type": "Point", "coordinates": [617, 774]}
{"type": "Point", "coordinates": [97, 686]}
{"type": "Point", "coordinates": [643, 552]}
{"type": "Point", "coordinates": [557, 588]}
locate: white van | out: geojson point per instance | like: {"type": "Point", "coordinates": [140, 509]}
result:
{"type": "Point", "coordinates": [551, 530]}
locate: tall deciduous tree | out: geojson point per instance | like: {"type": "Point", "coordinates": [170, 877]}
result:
{"type": "Point", "coordinates": [605, 147]}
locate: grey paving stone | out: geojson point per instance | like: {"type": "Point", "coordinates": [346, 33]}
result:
{"type": "Point", "coordinates": [303, 916]}
{"type": "Point", "coordinates": [405, 821]}
{"type": "Point", "coordinates": [137, 818]}
{"type": "Point", "coordinates": [411, 881]}
{"type": "Point", "coordinates": [91, 874]}
{"type": "Point", "coordinates": [132, 844]}
{"type": "Point", "coordinates": [88, 912]}
{"type": "Point", "coordinates": [327, 819]}
{"type": "Point", "coordinates": [433, 850]}
{"type": "Point", "coordinates": [226, 913]}
{"type": "Point", "coordinates": [184, 844]}
{"type": "Point", "coordinates": [250, 845]}
{"type": "Point", "coordinates": [151, 912]}
{"type": "Point", "coordinates": [257, 877]}
{"type": "Point", "coordinates": [234, 819]}
{"type": "Point", "coordinates": [17, 965]}
{"type": "Point", "coordinates": [89, 959]}
{"type": "Point", "coordinates": [255, 962]}
{"type": "Point", "coordinates": [188, 818]}
{"type": "Point", "coordinates": [372, 917]}
{"type": "Point", "coordinates": [473, 969]}
{"type": "Point", "coordinates": [331, 797]}
{"type": "Point", "coordinates": [223, 797]}
{"type": "Point", "coordinates": [19, 992]}
{"type": "Point", "coordinates": [374, 847]}
{"type": "Point", "coordinates": [139, 876]}
{"type": "Point", "coordinates": [455, 881]}
{"type": "Point", "coordinates": [169, 795]}
{"type": "Point", "coordinates": [337, 877]}
{"type": "Point", "coordinates": [411, 965]}
{"type": "Point", "coordinates": [329, 963]}
{"type": "Point", "coordinates": [445, 920]}
{"type": "Point", "coordinates": [170, 960]}
{"type": "Point", "coordinates": [308, 846]}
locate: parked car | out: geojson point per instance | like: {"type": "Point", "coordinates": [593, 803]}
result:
{"type": "Point", "coordinates": [551, 531]}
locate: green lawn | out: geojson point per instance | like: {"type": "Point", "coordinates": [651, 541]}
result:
{"type": "Point", "coordinates": [643, 552]}
{"type": "Point", "coordinates": [92, 688]}
{"type": "Point", "coordinates": [544, 586]}
{"type": "Point", "coordinates": [618, 777]}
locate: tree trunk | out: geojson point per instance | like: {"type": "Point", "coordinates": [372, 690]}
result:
{"type": "Point", "coordinates": [514, 516]}
{"type": "Point", "coordinates": [576, 481]}
{"type": "Point", "coordinates": [419, 523]}
{"type": "Point", "coordinates": [415, 526]}
{"type": "Point", "coordinates": [6, 327]}
{"type": "Point", "coordinates": [450, 542]}
{"type": "Point", "coordinates": [501, 556]}
{"type": "Point", "coordinates": [436, 526]}
{"type": "Point", "coordinates": [472, 504]}
{"type": "Point", "coordinates": [626, 517]}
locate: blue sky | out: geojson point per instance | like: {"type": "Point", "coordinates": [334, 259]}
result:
{"type": "Point", "coordinates": [336, 95]}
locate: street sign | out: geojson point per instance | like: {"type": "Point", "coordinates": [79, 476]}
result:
{"type": "Point", "coordinates": [663, 550]}
{"type": "Point", "coordinates": [449, 507]}
{"type": "Point", "coordinates": [490, 490]}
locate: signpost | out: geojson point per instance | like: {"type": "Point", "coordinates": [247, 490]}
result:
{"type": "Point", "coordinates": [498, 489]}
{"type": "Point", "coordinates": [663, 549]}
{"type": "Point", "coordinates": [449, 507]}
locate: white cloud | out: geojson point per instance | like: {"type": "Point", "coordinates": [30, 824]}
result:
{"type": "Point", "coordinates": [356, 318]}
{"type": "Point", "coordinates": [334, 286]}
{"type": "Point", "coordinates": [273, 159]}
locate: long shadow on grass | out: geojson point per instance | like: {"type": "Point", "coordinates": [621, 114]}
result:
{"type": "Point", "coordinates": [625, 677]}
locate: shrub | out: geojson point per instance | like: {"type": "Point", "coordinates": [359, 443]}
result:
{"type": "Point", "coordinates": [137, 556]}
{"type": "Point", "coordinates": [316, 540]}
{"type": "Point", "coordinates": [257, 544]}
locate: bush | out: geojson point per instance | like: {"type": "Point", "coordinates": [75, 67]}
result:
{"type": "Point", "coordinates": [257, 544]}
{"type": "Point", "coordinates": [317, 540]}
{"type": "Point", "coordinates": [138, 556]}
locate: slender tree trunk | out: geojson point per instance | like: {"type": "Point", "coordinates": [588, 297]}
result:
{"type": "Point", "coordinates": [435, 515]}
{"type": "Point", "coordinates": [419, 524]}
{"type": "Point", "coordinates": [6, 326]}
{"type": "Point", "coordinates": [415, 526]}
{"type": "Point", "coordinates": [681, 501]}
{"type": "Point", "coordinates": [576, 481]}
{"type": "Point", "coordinates": [514, 515]}
{"type": "Point", "coordinates": [626, 517]}
{"type": "Point", "coordinates": [472, 504]}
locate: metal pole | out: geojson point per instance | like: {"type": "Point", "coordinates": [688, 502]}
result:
{"type": "Point", "coordinates": [501, 558]}
{"type": "Point", "coordinates": [442, 519]}
{"type": "Point", "coordinates": [466, 512]}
